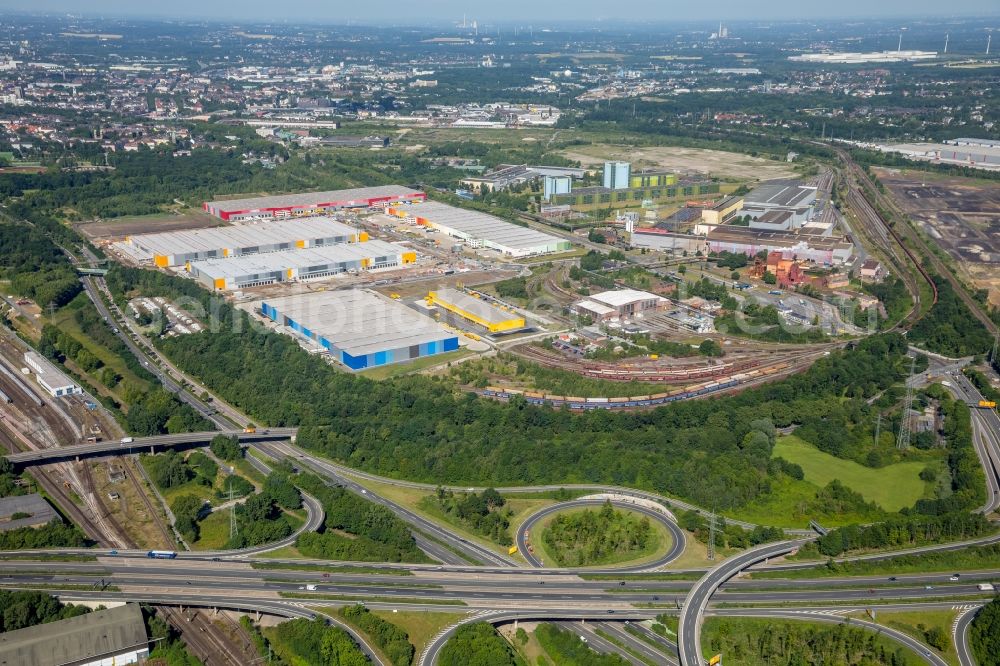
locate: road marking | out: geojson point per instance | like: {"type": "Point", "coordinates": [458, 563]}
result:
{"type": "Point", "coordinates": [837, 612]}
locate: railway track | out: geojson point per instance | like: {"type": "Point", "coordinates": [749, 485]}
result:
{"type": "Point", "coordinates": [881, 231]}
{"type": "Point", "coordinates": [732, 383]}
{"type": "Point", "coordinates": [109, 524]}
{"type": "Point", "coordinates": [168, 537]}
{"type": "Point", "coordinates": [651, 372]}
{"type": "Point", "coordinates": [202, 638]}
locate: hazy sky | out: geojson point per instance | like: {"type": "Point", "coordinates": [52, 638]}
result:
{"type": "Point", "coordinates": [516, 11]}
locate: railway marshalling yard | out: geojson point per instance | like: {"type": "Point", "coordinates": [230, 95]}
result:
{"type": "Point", "coordinates": [961, 215]}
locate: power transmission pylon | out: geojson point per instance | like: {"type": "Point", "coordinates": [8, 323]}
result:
{"type": "Point", "coordinates": [878, 428]}
{"type": "Point", "coordinates": [993, 354]}
{"type": "Point", "coordinates": [903, 440]}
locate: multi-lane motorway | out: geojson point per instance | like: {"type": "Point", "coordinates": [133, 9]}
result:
{"type": "Point", "coordinates": [482, 580]}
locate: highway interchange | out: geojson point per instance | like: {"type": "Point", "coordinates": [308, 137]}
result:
{"type": "Point", "coordinates": [485, 582]}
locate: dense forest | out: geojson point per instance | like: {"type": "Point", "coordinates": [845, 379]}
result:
{"type": "Point", "coordinates": [949, 327]}
{"type": "Point", "coordinates": [35, 266]}
{"type": "Point", "coordinates": [316, 643]}
{"type": "Point", "coordinates": [478, 644]}
{"type": "Point", "coordinates": [984, 635]}
{"type": "Point", "coordinates": [26, 608]}
{"type": "Point", "coordinates": [420, 428]}
{"type": "Point", "coordinates": [769, 643]}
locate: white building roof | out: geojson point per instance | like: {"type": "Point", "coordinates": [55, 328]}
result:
{"type": "Point", "coordinates": [595, 307]}
{"type": "Point", "coordinates": [620, 297]}
{"type": "Point", "coordinates": [245, 235]}
{"type": "Point", "coordinates": [359, 321]}
{"type": "Point", "coordinates": [484, 227]}
{"type": "Point", "coordinates": [47, 374]}
{"type": "Point", "coordinates": [250, 264]}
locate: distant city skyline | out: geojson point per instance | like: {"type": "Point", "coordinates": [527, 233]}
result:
{"type": "Point", "coordinates": [513, 11]}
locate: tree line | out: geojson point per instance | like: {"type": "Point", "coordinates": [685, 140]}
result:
{"type": "Point", "coordinates": [419, 428]}
{"type": "Point", "coordinates": [20, 609]}
{"type": "Point", "coordinates": [390, 639]}
{"type": "Point", "coordinates": [379, 536]}
{"type": "Point", "coordinates": [478, 644]}
{"type": "Point", "coordinates": [316, 643]}
{"type": "Point", "coordinates": [483, 513]}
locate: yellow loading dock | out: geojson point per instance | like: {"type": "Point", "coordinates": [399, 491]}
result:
{"type": "Point", "coordinates": [490, 317]}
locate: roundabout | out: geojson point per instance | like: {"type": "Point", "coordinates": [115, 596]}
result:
{"type": "Point", "coordinates": [659, 516]}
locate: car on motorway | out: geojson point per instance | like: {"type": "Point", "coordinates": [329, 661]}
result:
{"type": "Point", "coordinates": [892, 579]}
{"type": "Point", "coordinates": [953, 577]}
{"type": "Point", "coordinates": [112, 552]}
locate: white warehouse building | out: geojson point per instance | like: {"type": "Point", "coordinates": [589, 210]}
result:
{"type": "Point", "coordinates": [176, 248]}
{"type": "Point", "coordinates": [50, 378]}
{"type": "Point", "coordinates": [480, 230]}
{"type": "Point", "coordinates": [298, 265]}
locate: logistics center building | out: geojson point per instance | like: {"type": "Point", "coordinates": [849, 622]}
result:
{"type": "Point", "coordinates": [360, 328]}
{"type": "Point", "coordinates": [490, 317]}
{"type": "Point", "coordinates": [480, 230]}
{"type": "Point", "coordinates": [177, 248]}
{"type": "Point", "coordinates": [256, 270]}
{"type": "Point", "coordinates": [310, 203]}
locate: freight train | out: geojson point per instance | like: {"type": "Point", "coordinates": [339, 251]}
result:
{"type": "Point", "coordinates": [648, 372]}
{"type": "Point", "coordinates": [631, 402]}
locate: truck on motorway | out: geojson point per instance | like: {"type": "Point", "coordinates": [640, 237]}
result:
{"type": "Point", "coordinates": [161, 554]}
{"type": "Point", "coordinates": [988, 404]}
{"type": "Point", "coordinates": [986, 587]}
{"type": "Point", "coordinates": [249, 430]}
{"type": "Point", "coordinates": [127, 440]}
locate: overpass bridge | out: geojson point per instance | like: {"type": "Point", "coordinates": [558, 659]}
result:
{"type": "Point", "coordinates": [151, 444]}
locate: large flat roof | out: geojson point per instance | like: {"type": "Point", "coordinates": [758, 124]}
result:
{"type": "Point", "coordinates": [475, 306]}
{"type": "Point", "coordinates": [250, 264]}
{"type": "Point", "coordinates": [34, 504]}
{"type": "Point", "coordinates": [728, 233]}
{"type": "Point", "coordinates": [780, 193]}
{"type": "Point", "coordinates": [619, 297]}
{"type": "Point", "coordinates": [313, 198]}
{"type": "Point", "coordinates": [359, 321]}
{"type": "Point", "coordinates": [47, 374]}
{"type": "Point", "coordinates": [80, 639]}
{"type": "Point", "coordinates": [483, 226]}
{"type": "Point", "coordinates": [244, 235]}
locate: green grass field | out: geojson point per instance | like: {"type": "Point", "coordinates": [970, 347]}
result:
{"type": "Point", "coordinates": [892, 487]}
{"type": "Point", "coordinates": [397, 369]}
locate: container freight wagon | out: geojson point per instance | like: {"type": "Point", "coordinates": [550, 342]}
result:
{"type": "Point", "coordinates": [579, 403]}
